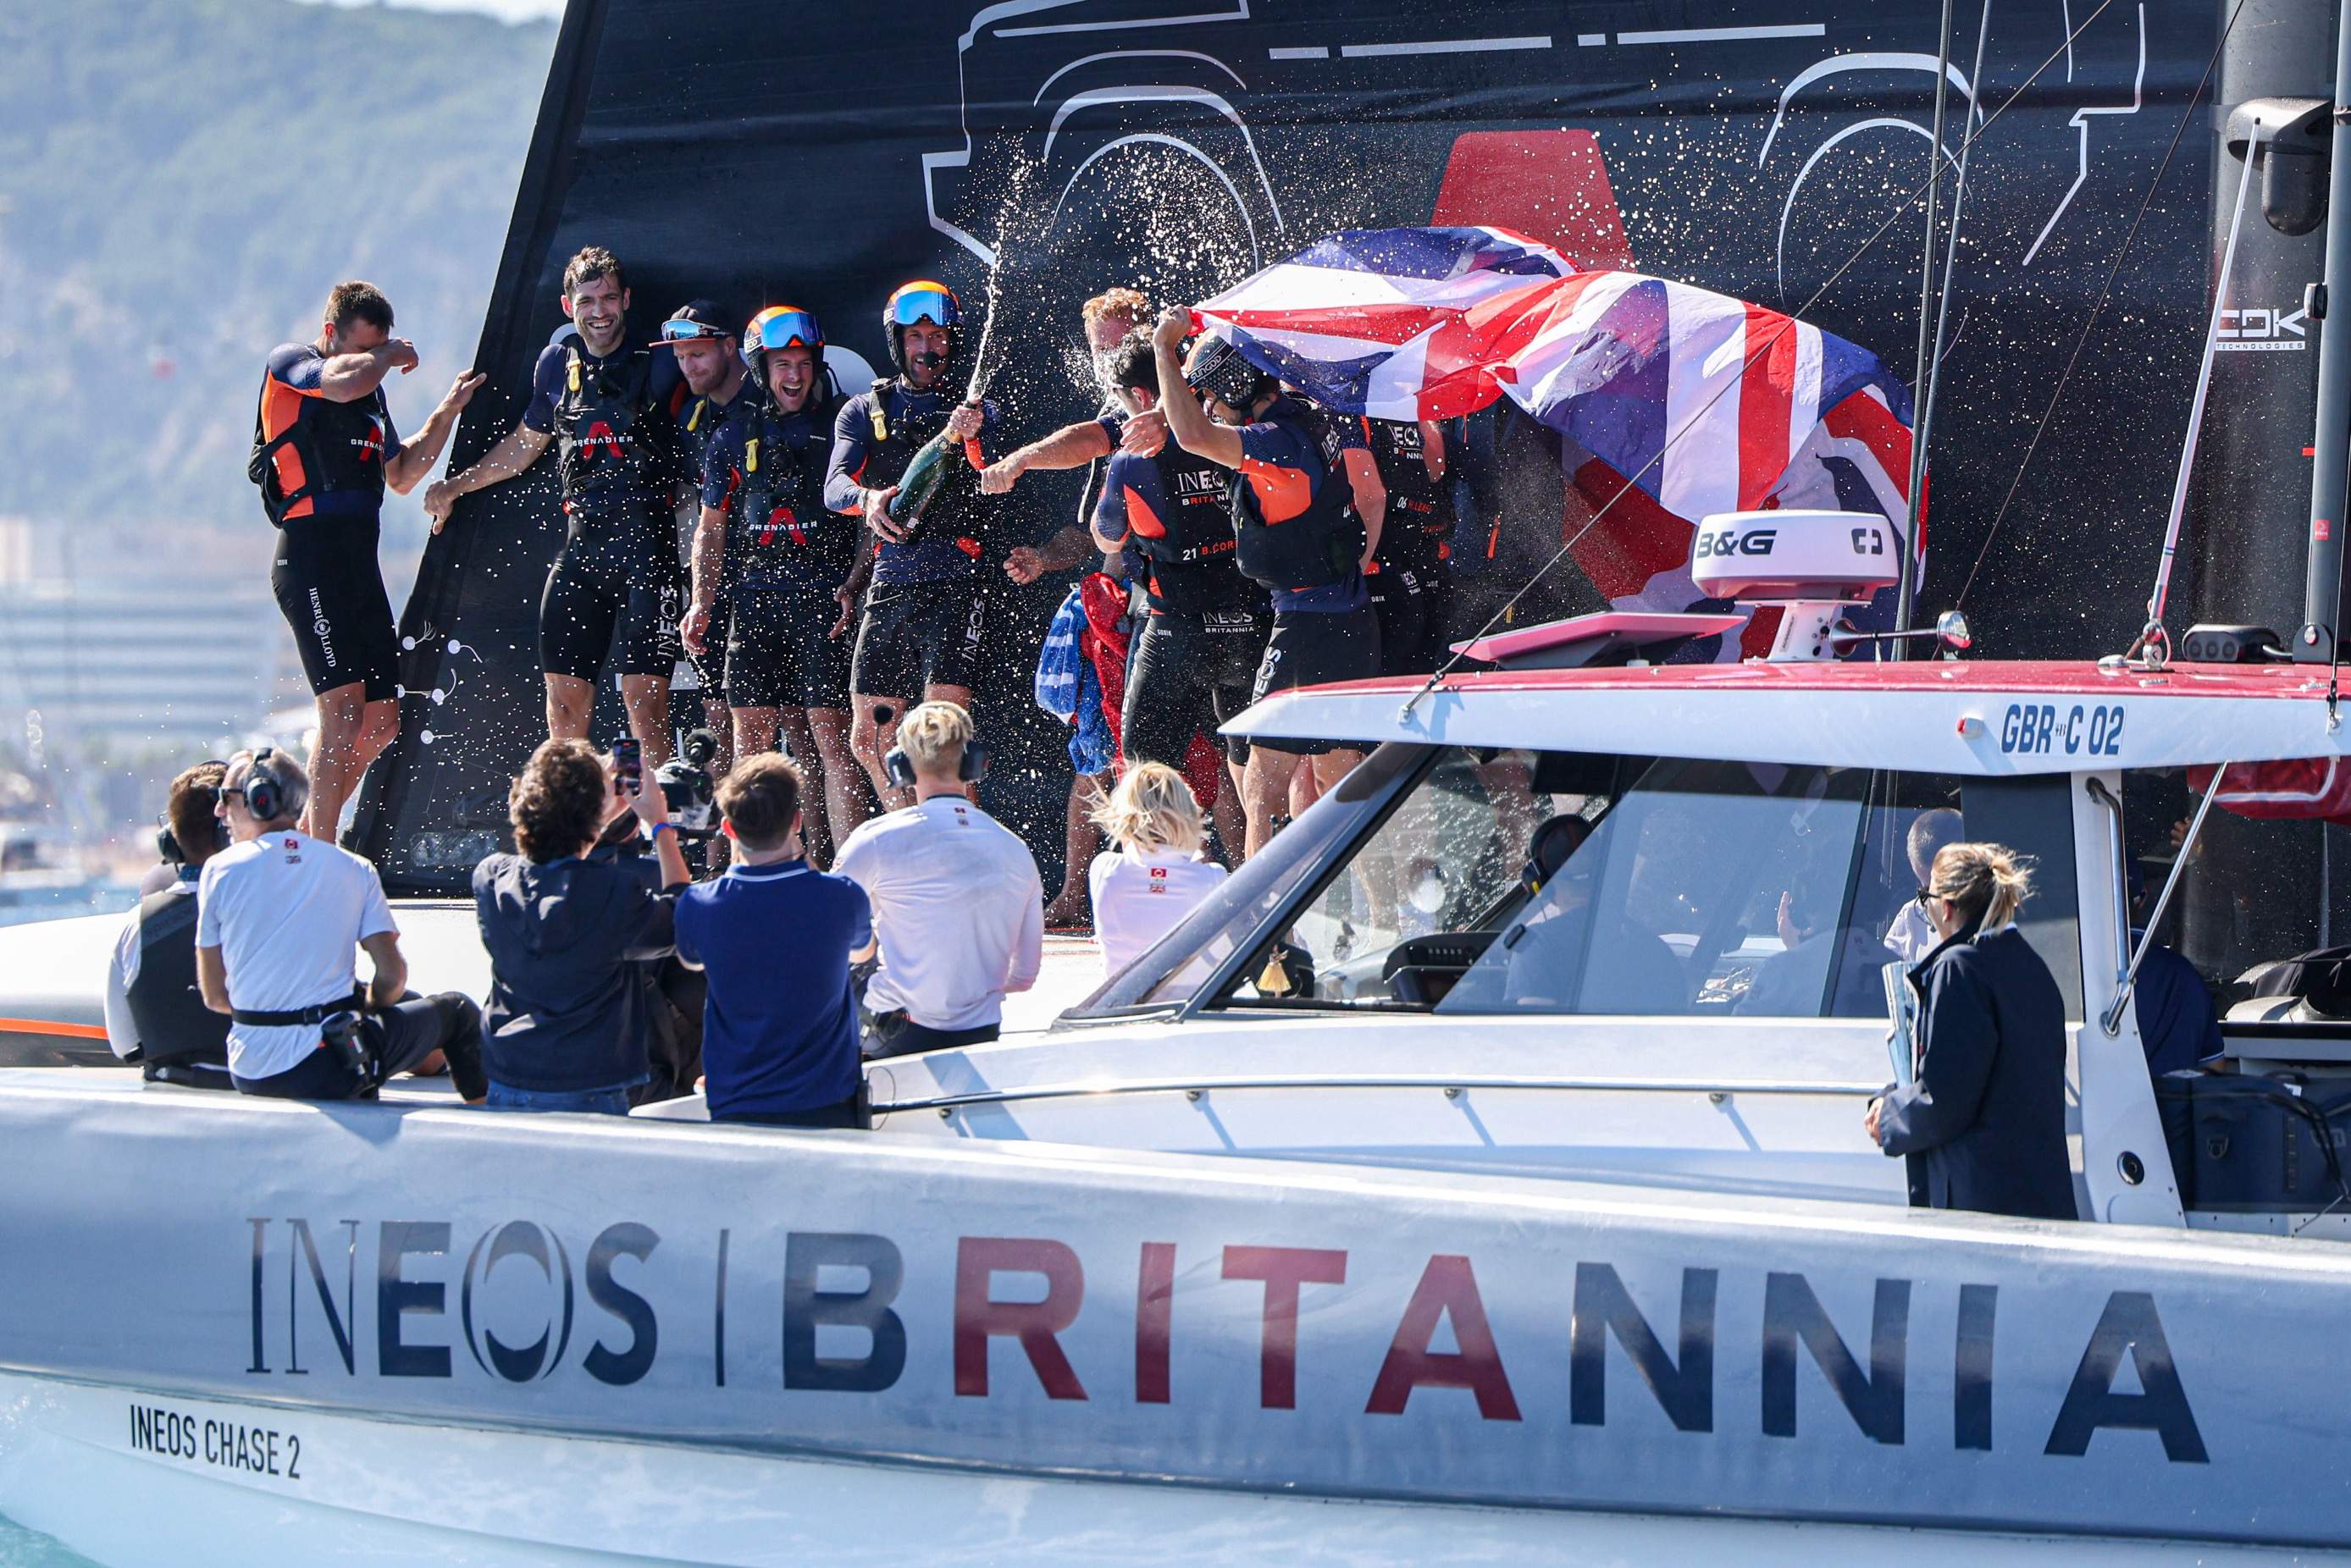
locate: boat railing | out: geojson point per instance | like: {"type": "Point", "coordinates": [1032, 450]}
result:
{"type": "Point", "coordinates": [1453, 1086]}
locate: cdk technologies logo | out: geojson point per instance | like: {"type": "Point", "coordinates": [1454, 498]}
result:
{"type": "Point", "coordinates": [2255, 331]}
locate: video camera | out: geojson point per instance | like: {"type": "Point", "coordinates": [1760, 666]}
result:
{"type": "Point", "coordinates": [688, 788]}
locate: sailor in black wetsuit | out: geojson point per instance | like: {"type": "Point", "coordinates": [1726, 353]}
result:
{"type": "Point", "coordinates": [919, 638]}
{"type": "Point", "coordinates": [1196, 660]}
{"type": "Point", "coordinates": [1410, 579]}
{"type": "Point", "coordinates": [712, 379]}
{"type": "Point", "coordinates": [1297, 535]}
{"type": "Point", "coordinates": [770, 548]}
{"type": "Point", "coordinates": [324, 452]}
{"type": "Point", "coordinates": [617, 587]}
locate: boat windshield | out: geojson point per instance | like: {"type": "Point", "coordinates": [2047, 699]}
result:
{"type": "Point", "coordinates": [1478, 882]}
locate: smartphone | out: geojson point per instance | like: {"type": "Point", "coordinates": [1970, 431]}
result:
{"type": "Point", "coordinates": [628, 766]}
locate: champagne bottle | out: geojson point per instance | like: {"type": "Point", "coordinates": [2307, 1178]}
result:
{"type": "Point", "coordinates": [924, 477]}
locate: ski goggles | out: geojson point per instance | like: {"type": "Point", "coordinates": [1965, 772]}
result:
{"type": "Point", "coordinates": [677, 331]}
{"type": "Point", "coordinates": [783, 327]}
{"type": "Point", "coordinates": [924, 301]}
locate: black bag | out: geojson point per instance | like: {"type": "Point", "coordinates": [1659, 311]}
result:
{"type": "Point", "coordinates": [2245, 1144]}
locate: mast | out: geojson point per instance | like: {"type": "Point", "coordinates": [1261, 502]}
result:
{"type": "Point", "coordinates": [2330, 469]}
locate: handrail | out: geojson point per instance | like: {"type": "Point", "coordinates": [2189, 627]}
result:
{"type": "Point", "coordinates": [2097, 790]}
{"type": "Point", "coordinates": [1453, 1086]}
{"type": "Point", "coordinates": [2113, 1014]}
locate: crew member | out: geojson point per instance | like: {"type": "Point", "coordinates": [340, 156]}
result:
{"type": "Point", "coordinates": [920, 631]}
{"type": "Point", "coordinates": [324, 448]}
{"type": "Point", "coordinates": [1297, 535]}
{"type": "Point", "coordinates": [711, 378]}
{"type": "Point", "coordinates": [1982, 1125]}
{"type": "Point", "coordinates": [155, 1016]}
{"type": "Point", "coordinates": [1194, 663]}
{"type": "Point", "coordinates": [957, 907]}
{"type": "Point", "coordinates": [1108, 316]}
{"type": "Point", "coordinates": [1411, 579]}
{"type": "Point", "coordinates": [769, 548]}
{"type": "Point", "coordinates": [278, 916]}
{"type": "Point", "coordinates": [616, 589]}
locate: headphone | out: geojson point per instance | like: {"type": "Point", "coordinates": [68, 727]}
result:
{"type": "Point", "coordinates": [168, 848]}
{"type": "Point", "coordinates": [264, 796]}
{"type": "Point", "coordinates": [971, 767]}
{"type": "Point", "coordinates": [1549, 847]}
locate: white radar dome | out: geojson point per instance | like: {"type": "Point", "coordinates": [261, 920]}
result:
{"type": "Point", "coordinates": [1791, 558]}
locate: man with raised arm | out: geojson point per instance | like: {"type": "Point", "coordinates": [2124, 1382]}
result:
{"type": "Point", "coordinates": [616, 587]}
{"type": "Point", "coordinates": [1295, 532]}
{"type": "Point", "coordinates": [324, 452]}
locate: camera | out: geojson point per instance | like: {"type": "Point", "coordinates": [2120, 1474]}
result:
{"type": "Point", "coordinates": [344, 1034]}
{"type": "Point", "coordinates": [687, 789]}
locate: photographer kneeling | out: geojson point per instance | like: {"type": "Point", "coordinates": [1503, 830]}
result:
{"type": "Point", "coordinates": [565, 928]}
{"type": "Point", "coordinates": [278, 915]}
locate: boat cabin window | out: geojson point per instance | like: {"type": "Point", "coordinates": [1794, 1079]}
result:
{"type": "Point", "coordinates": [2255, 892]}
{"type": "Point", "coordinates": [1520, 882]}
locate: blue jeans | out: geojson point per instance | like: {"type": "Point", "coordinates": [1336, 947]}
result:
{"type": "Point", "coordinates": [603, 1102]}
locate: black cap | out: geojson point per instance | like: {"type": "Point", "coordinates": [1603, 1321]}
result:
{"type": "Point", "coordinates": [709, 319]}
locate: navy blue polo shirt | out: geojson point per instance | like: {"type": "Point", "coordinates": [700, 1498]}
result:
{"type": "Point", "coordinates": [779, 1029]}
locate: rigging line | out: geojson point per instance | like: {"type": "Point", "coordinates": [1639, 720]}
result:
{"type": "Point", "coordinates": [1437, 676]}
{"type": "Point", "coordinates": [1929, 327]}
{"type": "Point", "coordinates": [2114, 271]}
{"type": "Point", "coordinates": [1924, 436]}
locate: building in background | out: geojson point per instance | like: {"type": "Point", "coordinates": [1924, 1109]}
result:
{"type": "Point", "coordinates": [126, 652]}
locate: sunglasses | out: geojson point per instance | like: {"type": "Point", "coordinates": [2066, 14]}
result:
{"type": "Point", "coordinates": [691, 332]}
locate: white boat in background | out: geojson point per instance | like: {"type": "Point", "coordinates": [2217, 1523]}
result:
{"type": "Point", "coordinates": [1407, 1203]}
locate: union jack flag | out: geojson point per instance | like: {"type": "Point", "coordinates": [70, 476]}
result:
{"type": "Point", "coordinates": [1700, 403]}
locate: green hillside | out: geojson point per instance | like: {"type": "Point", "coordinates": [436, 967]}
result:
{"type": "Point", "coordinates": [180, 182]}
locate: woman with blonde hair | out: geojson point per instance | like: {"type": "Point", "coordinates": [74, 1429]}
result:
{"type": "Point", "coordinates": [1982, 1121]}
{"type": "Point", "coordinates": [1156, 875]}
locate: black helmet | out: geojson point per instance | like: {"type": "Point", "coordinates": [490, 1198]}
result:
{"type": "Point", "coordinates": [1223, 373]}
{"type": "Point", "coordinates": [922, 300]}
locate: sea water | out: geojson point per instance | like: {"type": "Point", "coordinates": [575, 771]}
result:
{"type": "Point", "coordinates": [22, 1548]}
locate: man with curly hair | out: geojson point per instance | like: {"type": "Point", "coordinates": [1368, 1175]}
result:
{"type": "Point", "coordinates": [567, 1027]}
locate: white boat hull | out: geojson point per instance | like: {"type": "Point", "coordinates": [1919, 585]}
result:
{"type": "Point", "coordinates": [346, 1489]}
{"type": "Point", "coordinates": [592, 1335]}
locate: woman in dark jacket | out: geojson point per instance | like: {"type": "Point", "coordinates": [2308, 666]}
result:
{"type": "Point", "coordinates": [1983, 1122]}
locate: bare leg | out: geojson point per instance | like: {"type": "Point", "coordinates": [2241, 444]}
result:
{"type": "Point", "coordinates": [961, 696]}
{"type": "Point", "coordinates": [754, 730]}
{"type": "Point", "coordinates": [1226, 810]}
{"type": "Point", "coordinates": [750, 732]}
{"type": "Point", "coordinates": [721, 726]}
{"type": "Point", "coordinates": [816, 833]}
{"type": "Point", "coordinates": [351, 731]}
{"type": "Point", "coordinates": [871, 736]}
{"type": "Point", "coordinates": [645, 698]}
{"type": "Point", "coordinates": [570, 701]}
{"type": "Point", "coordinates": [1265, 787]}
{"type": "Point", "coordinates": [1080, 841]}
{"type": "Point", "coordinates": [845, 800]}
{"type": "Point", "coordinates": [1329, 768]}
{"type": "Point", "coordinates": [1304, 788]}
